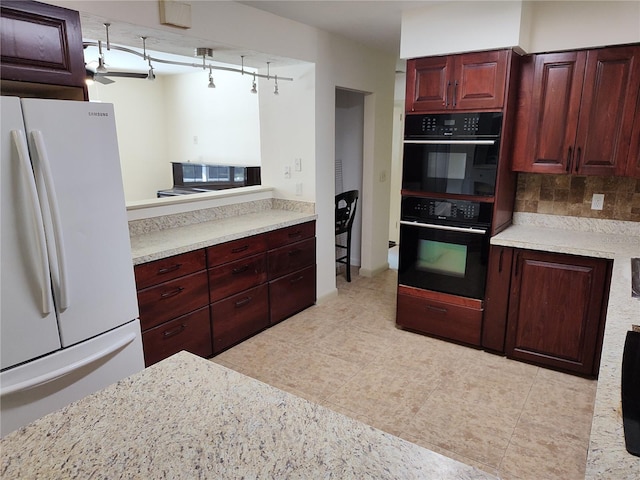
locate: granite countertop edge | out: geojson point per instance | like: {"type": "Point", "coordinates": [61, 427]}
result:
{"type": "Point", "coordinates": [173, 241]}
{"type": "Point", "coordinates": [607, 456]}
{"type": "Point", "coordinates": [187, 417]}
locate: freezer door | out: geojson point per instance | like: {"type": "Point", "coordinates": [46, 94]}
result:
{"type": "Point", "coordinates": [37, 388]}
{"type": "Point", "coordinates": [27, 320]}
{"type": "Point", "coordinates": [74, 150]}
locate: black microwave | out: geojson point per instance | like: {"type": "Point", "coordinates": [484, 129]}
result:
{"type": "Point", "coordinates": [451, 153]}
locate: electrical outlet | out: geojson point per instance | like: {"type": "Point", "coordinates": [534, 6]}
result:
{"type": "Point", "coordinates": [287, 171]}
{"type": "Point", "coordinates": [597, 201]}
{"type": "Point", "coordinates": [298, 188]}
{"type": "Point", "coordinates": [195, 139]}
{"type": "Point", "coordinates": [298, 165]}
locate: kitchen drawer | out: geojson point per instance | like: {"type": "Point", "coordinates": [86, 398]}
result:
{"type": "Point", "coordinates": [191, 332]}
{"type": "Point", "coordinates": [159, 271]}
{"type": "Point", "coordinates": [236, 249]}
{"type": "Point", "coordinates": [240, 316]}
{"type": "Point", "coordinates": [455, 322]}
{"type": "Point", "coordinates": [171, 299]}
{"type": "Point", "coordinates": [292, 293]}
{"type": "Point", "coordinates": [295, 233]}
{"type": "Point", "coordinates": [292, 257]}
{"type": "Point", "coordinates": [237, 276]}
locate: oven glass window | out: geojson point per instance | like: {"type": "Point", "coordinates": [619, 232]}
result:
{"type": "Point", "coordinates": [441, 257]}
{"type": "Point", "coordinates": [456, 169]}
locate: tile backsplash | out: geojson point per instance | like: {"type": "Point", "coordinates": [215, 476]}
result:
{"type": "Point", "coordinates": [571, 195]}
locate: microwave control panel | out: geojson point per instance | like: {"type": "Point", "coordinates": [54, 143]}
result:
{"type": "Point", "coordinates": [443, 125]}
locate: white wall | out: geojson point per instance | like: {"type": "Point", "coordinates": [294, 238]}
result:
{"type": "Point", "coordinates": [157, 122]}
{"type": "Point", "coordinates": [142, 140]}
{"type": "Point", "coordinates": [287, 126]}
{"type": "Point", "coordinates": [224, 119]}
{"type": "Point", "coordinates": [338, 63]}
{"type": "Point", "coordinates": [459, 26]}
{"type": "Point", "coordinates": [536, 26]}
{"type": "Point", "coordinates": [567, 25]}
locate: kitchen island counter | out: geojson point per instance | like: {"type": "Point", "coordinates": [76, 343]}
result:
{"type": "Point", "coordinates": [187, 417]}
{"type": "Point", "coordinates": [620, 241]}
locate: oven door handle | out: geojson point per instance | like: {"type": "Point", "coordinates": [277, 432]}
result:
{"type": "Point", "coordinates": [480, 231]}
{"type": "Point", "coordinates": [450, 142]}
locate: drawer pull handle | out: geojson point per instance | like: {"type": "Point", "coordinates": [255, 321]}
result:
{"type": "Point", "coordinates": [175, 331]}
{"type": "Point", "coordinates": [297, 233]}
{"type": "Point", "coordinates": [240, 249]}
{"type": "Point", "coordinates": [172, 268]}
{"type": "Point", "coordinates": [294, 252]}
{"type": "Point", "coordinates": [437, 309]}
{"type": "Point", "coordinates": [172, 293]}
{"type": "Point", "coordinates": [241, 269]}
{"type": "Point", "coordinates": [297, 279]}
{"type": "Point", "coordinates": [243, 302]}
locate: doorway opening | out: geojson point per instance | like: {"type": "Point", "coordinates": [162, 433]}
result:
{"type": "Point", "coordinates": [349, 154]}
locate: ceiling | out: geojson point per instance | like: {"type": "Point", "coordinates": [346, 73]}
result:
{"type": "Point", "coordinates": [372, 23]}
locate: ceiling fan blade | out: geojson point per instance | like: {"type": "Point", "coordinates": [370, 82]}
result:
{"type": "Point", "coordinates": [123, 74]}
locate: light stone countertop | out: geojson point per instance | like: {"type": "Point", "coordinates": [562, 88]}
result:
{"type": "Point", "coordinates": [155, 245]}
{"type": "Point", "coordinates": [620, 241]}
{"type": "Point", "coordinates": [187, 417]}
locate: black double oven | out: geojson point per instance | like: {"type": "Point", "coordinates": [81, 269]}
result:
{"type": "Point", "coordinates": [448, 183]}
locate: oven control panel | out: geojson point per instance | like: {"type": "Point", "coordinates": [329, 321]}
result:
{"type": "Point", "coordinates": [445, 211]}
{"type": "Point", "coordinates": [446, 125]}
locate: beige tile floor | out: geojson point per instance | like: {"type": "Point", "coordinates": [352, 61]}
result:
{"type": "Point", "coordinates": [511, 419]}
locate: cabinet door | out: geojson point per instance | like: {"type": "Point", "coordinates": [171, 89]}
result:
{"type": "Point", "coordinates": [555, 309]}
{"type": "Point", "coordinates": [292, 293]}
{"type": "Point", "coordinates": [479, 80]}
{"type": "Point", "coordinates": [611, 84]}
{"type": "Point", "coordinates": [41, 44]}
{"type": "Point", "coordinates": [633, 160]}
{"type": "Point", "coordinates": [556, 92]}
{"type": "Point", "coordinates": [429, 87]}
{"type": "Point", "coordinates": [496, 305]}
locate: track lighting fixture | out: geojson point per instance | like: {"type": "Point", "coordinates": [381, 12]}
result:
{"type": "Point", "coordinates": [203, 52]}
{"type": "Point", "coordinates": [211, 84]}
{"type": "Point", "coordinates": [151, 76]}
{"type": "Point", "coordinates": [101, 67]}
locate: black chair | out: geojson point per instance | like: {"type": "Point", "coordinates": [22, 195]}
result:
{"type": "Point", "coordinates": [346, 204]}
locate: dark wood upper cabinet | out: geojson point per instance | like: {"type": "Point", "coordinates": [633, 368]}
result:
{"type": "Point", "coordinates": [41, 46]}
{"type": "Point", "coordinates": [633, 160]}
{"type": "Point", "coordinates": [471, 81]}
{"type": "Point", "coordinates": [577, 109]}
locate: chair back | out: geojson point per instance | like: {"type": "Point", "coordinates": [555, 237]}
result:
{"type": "Point", "coordinates": [346, 204]}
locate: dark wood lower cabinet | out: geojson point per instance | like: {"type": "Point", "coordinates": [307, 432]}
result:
{"type": "Point", "coordinates": [557, 307]}
{"type": "Point", "coordinates": [191, 332]}
{"type": "Point", "coordinates": [208, 300]}
{"type": "Point", "coordinates": [292, 293]}
{"type": "Point", "coordinates": [447, 316]}
{"type": "Point", "coordinates": [239, 316]}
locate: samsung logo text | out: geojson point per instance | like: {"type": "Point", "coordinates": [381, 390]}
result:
{"type": "Point", "coordinates": [98, 114]}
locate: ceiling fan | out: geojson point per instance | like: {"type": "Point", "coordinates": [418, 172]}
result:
{"type": "Point", "coordinates": [105, 78]}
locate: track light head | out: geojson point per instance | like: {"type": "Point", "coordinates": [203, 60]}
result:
{"type": "Point", "coordinates": [275, 87]}
{"type": "Point", "coordinates": [254, 88]}
{"type": "Point", "coordinates": [151, 76]}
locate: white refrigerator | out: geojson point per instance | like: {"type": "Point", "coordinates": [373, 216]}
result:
{"type": "Point", "coordinates": [68, 308]}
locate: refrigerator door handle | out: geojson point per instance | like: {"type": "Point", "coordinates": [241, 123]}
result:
{"type": "Point", "coordinates": [54, 210]}
{"type": "Point", "coordinates": [67, 369]}
{"type": "Point", "coordinates": [20, 141]}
